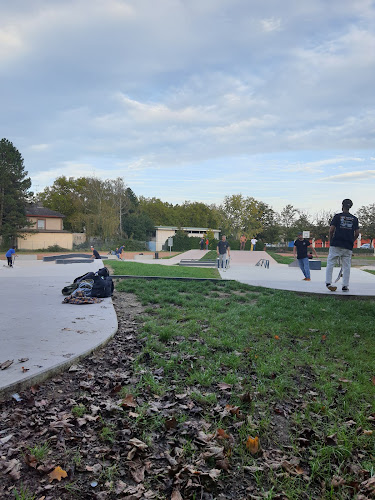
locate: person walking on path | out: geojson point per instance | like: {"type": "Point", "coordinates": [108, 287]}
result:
{"type": "Point", "coordinates": [95, 254]}
{"type": "Point", "coordinates": [207, 243]}
{"type": "Point", "coordinates": [10, 255]}
{"type": "Point", "coordinates": [202, 243]}
{"type": "Point", "coordinates": [343, 231]}
{"type": "Point", "coordinates": [243, 241]}
{"type": "Point", "coordinates": [253, 242]}
{"type": "Point", "coordinates": [121, 249]}
{"type": "Point", "coordinates": [300, 251]}
{"type": "Point", "coordinates": [223, 252]}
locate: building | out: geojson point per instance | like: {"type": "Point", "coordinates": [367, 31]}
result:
{"type": "Point", "coordinates": [46, 230]}
{"type": "Point", "coordinates": [162, 233]}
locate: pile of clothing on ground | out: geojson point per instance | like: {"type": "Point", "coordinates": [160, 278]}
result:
{"type": "Point", "coordinates": [89, 288]}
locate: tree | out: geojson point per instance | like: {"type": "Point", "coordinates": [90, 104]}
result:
{"type": "Point", "coordinates": [14, 191]}
{"type": "Point", "coordinates": [320, 228]}
{"type": "Point", "coordinates": [138, 226]}
{"type": "Point", "coordinates": [366, 216]}
{"type": "Point", "coordinates": [66, 196]}
{"type": "Point", "coordinates": [288, 217]}
{"type": "Point", "coordinates": [271, 228]}
{"type": "Point", "coordinates": [241, 215]}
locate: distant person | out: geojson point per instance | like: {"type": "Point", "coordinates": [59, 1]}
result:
{"type": "Point", "coordinates": [95, 254]}
{"type": "Point", "coordinates": [202, 243]}
{"type": "Point", "coordinates": [253, 242]}
{"type": "Point", "coordinates": [117, 253]}
{"type": "Point", "coordinates": [243, 241]}
{"type": "Point", "coordinates": [9, 255]}
{"type": "Point", "coordinates": [343, 232]}
{"type": "Point", "coordinates": [121, 249]}
{"type": "Point", "coordinates": [223, 252]}
{"type": "Point", "coordinates": [207, 243]}
{"type": "Point", "coordinates": [300, 248]}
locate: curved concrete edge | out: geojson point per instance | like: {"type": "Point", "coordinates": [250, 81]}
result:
{"type": "Point", "coordinates": [43, 375]}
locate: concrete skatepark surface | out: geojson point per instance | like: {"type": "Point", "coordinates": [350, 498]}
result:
{"type": "Point", "coordinates": [48, 335]}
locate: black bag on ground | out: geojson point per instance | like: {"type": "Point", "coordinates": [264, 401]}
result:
{"type": "Point", "coordinates": [87, 276]}
{"type": "Point", "coordinates": [69, 289]}
{"type": "Point", "coordinates": [102, 272]}
{"type": "Point", "coordinates": [102, 287]}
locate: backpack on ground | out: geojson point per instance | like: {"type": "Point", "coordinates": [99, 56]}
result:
{"type": "Point", "coordinates": [86, 276]}
{"type": "Point", "coordinates": [103, 287]}
{"type": "Point", "coordinates": [102, 272]}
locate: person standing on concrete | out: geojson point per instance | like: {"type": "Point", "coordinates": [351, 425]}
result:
{"type": "Point", "coordinates": [253, 242]}
{"type": "Point", "coordinates": [121, 250]}
{"type": "Point", "coordinates": [207, 243]}
{"type": "Point", "coordinates": [95, 254]}
{"type": "Point", "coordinates": [243, 241]}
{"type": "Point", "coordinates": [223, 252]}
{"type": "Point", "coordinates": [10, 255]}
{"type": "Point", "coordinates": [300, 251]}
{"type": "Point", "coordinates": [343, 231]}
{"type": "Point", "coordinates": [202, 243]}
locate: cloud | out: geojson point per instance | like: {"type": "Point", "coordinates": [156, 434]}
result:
{"type": "Point", "coordinates": [351, 176]}
{"type": "Point", "coordinates": [271, 24]}
{"type": "Point", "coordinates": [39, 147]}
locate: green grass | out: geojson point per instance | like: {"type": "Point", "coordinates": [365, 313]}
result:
{"type": "Point", "coordinates": [369, 271]}
{"type": "Point", "coordinates": [287, 259]}
{"type": "Point", "coordinates": [139, 269]}
{"type": "Point", "coordinates": [210, 255]}
{"type": "Point", "coordinates": [311, 356]}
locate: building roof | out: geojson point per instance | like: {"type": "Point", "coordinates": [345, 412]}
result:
{"type": "Point", "coordinates": [38, 211]}
{"type": "Point", "coordinates": [174, 228]}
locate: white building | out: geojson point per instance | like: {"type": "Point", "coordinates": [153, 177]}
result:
{"type": "Point", "coordinates": [162, 233]}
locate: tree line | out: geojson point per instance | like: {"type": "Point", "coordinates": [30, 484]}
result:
{"type": "Point", "coordinates": [110, 210]}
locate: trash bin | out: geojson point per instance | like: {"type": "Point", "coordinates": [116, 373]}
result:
{"type": "Point", "coordinates": [156, 255]}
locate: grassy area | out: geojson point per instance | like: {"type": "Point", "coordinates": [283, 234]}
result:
{"type": "Point", "coordinates": [210, 255]}
{"type": "Point", "coordinates": [140, 269]}
{"type": "Point", "coordinates": [296, 372]}
{"type": "Point", "coordinates": [369, 271]}
{"type": "Point", "coordinates": [287, 259]}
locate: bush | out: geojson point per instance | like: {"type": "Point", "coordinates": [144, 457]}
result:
{"type": "Point", "coordinates": [57, 248]}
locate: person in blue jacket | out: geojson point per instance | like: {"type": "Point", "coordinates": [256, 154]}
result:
{"type": "Point", "coordinates": [9, 255]}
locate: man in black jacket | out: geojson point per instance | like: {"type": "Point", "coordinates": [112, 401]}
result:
{"type": "Point", "coordinates": [343, 232]}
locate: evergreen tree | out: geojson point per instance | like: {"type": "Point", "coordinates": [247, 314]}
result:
{"type": "Point", "coordinates": [14, 192]}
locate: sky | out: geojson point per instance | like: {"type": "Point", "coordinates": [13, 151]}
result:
{"type": "Point", "coordinates": [195, 99]}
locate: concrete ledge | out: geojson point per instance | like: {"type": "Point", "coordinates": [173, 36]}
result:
{"type": "Point", "coordinates": [73, 261]}
{"type": "Point", "coordinates": [198, 263]}
{"type": "Point", "coordinates": [143, 257]}
{"type": "Point", "coordinates": [21, 256]}
{"type": "Point", "coordinates": [315, 265]}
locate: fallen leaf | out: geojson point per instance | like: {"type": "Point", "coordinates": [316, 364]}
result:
{"type": "Point", "coordinates": [129, 402]}
{"type": "Point", "coordinates": [138, 443]}
{"type": "Point", "coordinates": [221, 434]}
{"type": "Point", "coordinates": [223, 386]}
{"type": "Point", "coordinates": [373, 380]}
{"type": "Point", "coordinates": [324, 337]}
{"type": "Point", "coordinates": [13, 469]}
{"type": "Point", "coordinates": [170, 423]}
{"type": "Point", "coordinates": [368, 433]}
{"type": "Point", "coordinates": [176, 495]}
{"type": "Point", "coordinates": [345, 380]}
{"type": "Point", "coordinates": [6, 364]}
{"type": "Point", "coordinates": [223, 464]}
{"type": "Point", "coordinates": [252, 444]}
{"type": "Point", "coordinates": [58, 473]}
{"type": "Point", "coordinates": [277, 337]}
{"type": "Point", "coordinates": [31, 460]}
